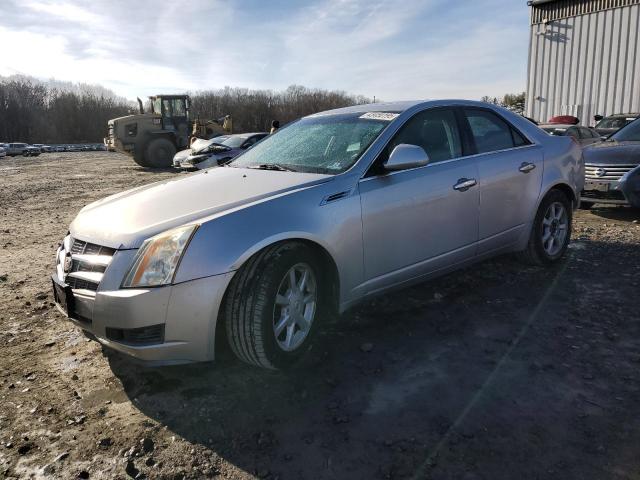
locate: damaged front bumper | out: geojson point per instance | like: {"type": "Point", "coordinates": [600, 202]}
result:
{"type": "Point", "coordinates": [172, 324]}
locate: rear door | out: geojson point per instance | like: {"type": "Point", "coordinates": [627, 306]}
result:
{"type": "Point", "coordinates": [510, 171]}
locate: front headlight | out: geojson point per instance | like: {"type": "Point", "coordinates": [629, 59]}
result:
{"type": "Point", "coordinates": [156, 262]}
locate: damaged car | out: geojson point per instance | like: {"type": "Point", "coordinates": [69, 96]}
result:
{"type": "Point", "coordinates": [220, 150]}
{"type": "Point", "coordinates": [330, 211]}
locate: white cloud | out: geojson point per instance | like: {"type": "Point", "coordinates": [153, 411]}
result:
{"type": "Point", "coordinates": [63, 10]}
{"type": "Point", "coordinates": [394, 49]}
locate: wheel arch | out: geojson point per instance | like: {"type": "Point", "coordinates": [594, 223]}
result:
{"type": "Point", "coordinates": [330, 269]}
{"type": "Point", "coordinates": [564, 188]}
{"type": "Point", "coordinates": [328, 261]}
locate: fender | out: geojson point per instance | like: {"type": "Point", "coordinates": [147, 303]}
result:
{"type": "Point", "coordinates": [224, 243]}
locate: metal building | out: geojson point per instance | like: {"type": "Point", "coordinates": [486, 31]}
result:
{"type": "Point", "coordinates": [584, 58]}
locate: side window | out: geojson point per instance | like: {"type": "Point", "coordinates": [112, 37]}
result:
{"type": "Point", "coordinates": [436, 131]}
{"type": "Point", "coordinates": [491, 133]}
{"type": "Point", "coordinates": [179, 108]}
{"type": "Point", "coordinates": [518, 139]}
{"type": "Point", "coordinates": [166, 108]}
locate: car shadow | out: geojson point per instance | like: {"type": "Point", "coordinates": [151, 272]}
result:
{"type": "Point", "coordinates": [389, 383]}
{"type": "Point", "coordinates": [623, 213]}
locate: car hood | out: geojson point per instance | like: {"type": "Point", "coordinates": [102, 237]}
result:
{"type": "Point", "coordinates": [613, 153]}
{"type": "Point", "coordinates": [126, 219]}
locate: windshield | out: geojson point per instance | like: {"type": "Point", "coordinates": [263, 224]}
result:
{"type": "Point", "coordinates": [234, 142]}
{"type": "Point", "coordinates": [616, 122]}
{"type": "Point", "coordinates": [328, 144]}
{"type": "Point", "coordinates": [630, 133]}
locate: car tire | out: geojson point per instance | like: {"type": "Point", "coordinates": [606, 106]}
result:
{"type": "Point", "coordinates": [159, 153]}
{"type": "Point", "coordinates": [551, 230]}
{"type": "Point", "coordinates": [268, 323]}
{"type": "Point", "coordinates": [586, 205]}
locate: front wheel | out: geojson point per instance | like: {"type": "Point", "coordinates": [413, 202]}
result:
{"type": "Point", "coordinates": [273, 305]}
{"type": "Point", "coordinates": [159, 153]}
{"type": "Point", "coordinates": [551, 230]}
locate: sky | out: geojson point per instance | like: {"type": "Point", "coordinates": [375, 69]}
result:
{"type": "Point", "coordinates": [390, 49]}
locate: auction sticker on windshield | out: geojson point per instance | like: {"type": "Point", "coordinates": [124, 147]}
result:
{"type": "Point", "coordinates": [388, 116]}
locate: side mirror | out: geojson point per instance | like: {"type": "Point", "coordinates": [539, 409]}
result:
{"type": "Point", "coordinates": [406, 156]}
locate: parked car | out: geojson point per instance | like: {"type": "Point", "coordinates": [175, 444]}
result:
{"type": "Point", "coordinates": [3, 151]}
{"type": "Point", "coordinates": [612, 169]}
{"type": "Point", "coordinates": [583, 135]}
{"type": "Point", "coordinates": [329, 211]}
{"type": "Point", "coordinates": [199, 145]}
{"type": "Point", "coordinates": [31, 151]}
{"type": "Point", "coordinates": [610, 125]}
{"type": "Point", "coordinates": [227, 151]}
{"type": "Point", "coordinates": [16, 149]}
{"type": "Point", "coordinates": [41, 146]}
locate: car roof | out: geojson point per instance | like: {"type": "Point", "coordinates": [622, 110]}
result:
{"type": "Point", "coordinates": [616, 115]}
{"type": "Point", "coordinates": [559, 125]}
{"type": "Point", "coordinates": [250, 134]}
{"type": "Point", "coordinates": [402, 106]}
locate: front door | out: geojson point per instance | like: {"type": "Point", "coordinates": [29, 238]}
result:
{"type": "Point", "coordinates": [420, 220]}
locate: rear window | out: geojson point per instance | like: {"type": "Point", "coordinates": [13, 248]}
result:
{"type": "Point", "coordinates": [558, 132]}
{"type": "Point", "coordinates": [491, 133]}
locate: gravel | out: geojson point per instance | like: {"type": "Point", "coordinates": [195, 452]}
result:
{"type": "Point", "coordinates": [498, 371]}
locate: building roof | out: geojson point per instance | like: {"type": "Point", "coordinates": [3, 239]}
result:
{"type": "Point", "coordinates": [551, 10]}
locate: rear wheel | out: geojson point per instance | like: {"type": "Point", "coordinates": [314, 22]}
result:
{"type": "Point", "coordinates": [159, 153]}
{"type": "Point", "coordinates": [274, 304]}
{"type": "Point", "coordinates": [551, 230]}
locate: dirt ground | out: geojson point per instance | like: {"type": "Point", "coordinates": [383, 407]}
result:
{"type": "Point", "coordinates": [499, 371]}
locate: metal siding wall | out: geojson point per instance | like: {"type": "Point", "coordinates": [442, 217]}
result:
{"type": "Point", "coordinates": [587, 64]}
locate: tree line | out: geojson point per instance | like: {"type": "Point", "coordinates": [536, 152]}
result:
{"type": "Point", "coordinates": [37, 112]}
{"type": "Point", "coordinates": [57, 112]}
{"type": "Point", "coordinates": [254, 110]}
{"type": "Point", "coordinates": [33, 112]}
{"type": "Point", "coordinates": [513, 101]}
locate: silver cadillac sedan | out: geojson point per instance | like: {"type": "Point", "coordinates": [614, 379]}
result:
{"type": "Point", "coordinates": [333, 209]}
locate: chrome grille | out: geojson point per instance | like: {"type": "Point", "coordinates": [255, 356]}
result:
{"type": "Point", "coordinates": [78, 284]}
{"type": "Point", "coordinates": [606, 172]}
{"type": "Point", "coordinates": [80, 247]}
{"type": "Point", "coordinates": [88, 263]}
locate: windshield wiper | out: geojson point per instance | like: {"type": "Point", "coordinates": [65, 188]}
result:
{"type": "Point", "coordinates": [273, 166]}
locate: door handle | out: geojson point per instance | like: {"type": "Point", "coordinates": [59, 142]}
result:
{"type": "Point", "coordinates": [526, 167]}
{"type": "Point", "coordinates": [465, 184]}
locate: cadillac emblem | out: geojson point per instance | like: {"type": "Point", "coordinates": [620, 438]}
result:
{"type": "Point", "coordinates": [601, 172]}
{"type": "Point", "coordinates": [68, 263]}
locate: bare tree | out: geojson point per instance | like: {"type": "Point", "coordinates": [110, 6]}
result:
{"type": "Point", "coordinates": [60, 112]}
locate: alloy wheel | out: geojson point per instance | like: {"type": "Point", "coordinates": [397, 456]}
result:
{"type": "Point", "coordinates": [295, 307]}
{"type": "Point", "coordinates": [555, 226]}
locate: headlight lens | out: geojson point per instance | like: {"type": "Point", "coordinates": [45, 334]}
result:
{"type": "Point", "coordinates": [158, 258]}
